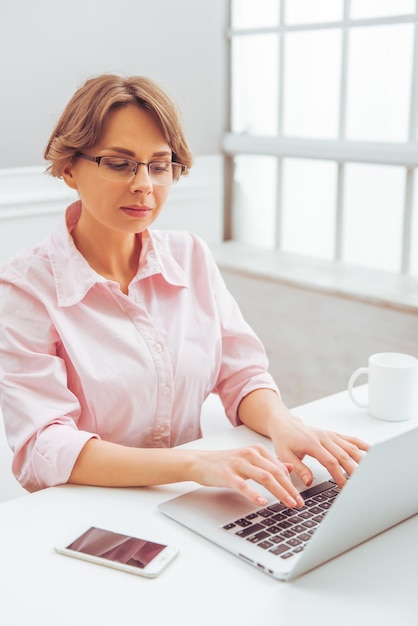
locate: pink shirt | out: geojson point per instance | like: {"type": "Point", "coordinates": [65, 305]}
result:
{"type": "Point", "coordinates": [78, 358]}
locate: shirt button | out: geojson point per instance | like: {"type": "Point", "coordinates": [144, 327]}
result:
{"type": "Point", "coordinates": [158, 347]}
{"type": "Point", "coordinates": [166, 391]}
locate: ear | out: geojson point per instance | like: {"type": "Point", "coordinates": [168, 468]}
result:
{"type": "Point", "coordinates": [68, 176]}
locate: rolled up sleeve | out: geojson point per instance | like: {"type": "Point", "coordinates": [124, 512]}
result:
{"type": "Point", "coordinates": [40, 412]}
{"type": "Point", "coordinates": [244, 363]}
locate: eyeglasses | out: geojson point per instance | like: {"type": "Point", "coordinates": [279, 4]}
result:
{"type": "Point", "coordinates": [123, 170]}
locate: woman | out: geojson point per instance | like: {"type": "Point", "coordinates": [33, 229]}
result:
{"type": "Point", "coordinates": [113, 335]}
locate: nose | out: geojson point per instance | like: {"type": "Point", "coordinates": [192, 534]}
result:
{"type": "Point", "coordinates": [142, 181]}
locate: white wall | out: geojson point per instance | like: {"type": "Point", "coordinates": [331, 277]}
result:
{"type": "Point", "coordinates": [49, 47]}
{"type": "Point", "coordinates": [31, 203]}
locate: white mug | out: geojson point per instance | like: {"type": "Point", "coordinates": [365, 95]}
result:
{"type": "Point", "coordinates": [393, 386]}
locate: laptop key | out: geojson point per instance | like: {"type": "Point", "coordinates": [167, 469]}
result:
{"type": "Point", "coordinates": [305, 514]}
{"type": "Point", "coordinates": [265, 512]}
{"type": "Point", "coordinates": [277, 507]}
{"type": "Point", "coordinates": [287, 533]}
{"type": "Point", "coordinates": [250, 530]}
{"type": "Point", "coordinates": [298, 528]}
{"type": "Point", "coordinates": [313, 491]}
{"type": "Point", "coordinates": [310, 502]}
{"type": "Point", "coordinates": [279, 549]}
{"type": "Point", "coordinates": [258, 537]}
{"type": "Point", "coordinates": [295, 519]}
{"type": "Point", "coordinates": [274, 530]}
{"type": "Point", "coordinates": [316, 510]}
{"type": "Point", "coordinates": [284, 525]}
{"type": "Point", "coordinates": [289, 512]}
{"type": "Point", "coordinates": [325, 505]}
{"type": "Point", "coordinates": [294, 542]}
{"type": "Point", "coordinates": [320, 498]}
{"type": "Point", "coordinates": [309, 524]}
{"type": "Point", "coordinates": [243, 522]}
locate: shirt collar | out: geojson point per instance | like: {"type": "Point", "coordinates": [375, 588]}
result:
{"type": "Point", "coordinates": [74, 277]}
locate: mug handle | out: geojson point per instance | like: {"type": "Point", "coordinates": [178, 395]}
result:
{"type": "Point", "coordinates": [357, 373]}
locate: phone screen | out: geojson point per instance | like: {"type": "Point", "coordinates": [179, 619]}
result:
{"type": "Point", "coordinates": [118, 548]}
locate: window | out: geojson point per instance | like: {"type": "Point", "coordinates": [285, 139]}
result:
{"type": "Point", "coordinates": [322, 142]}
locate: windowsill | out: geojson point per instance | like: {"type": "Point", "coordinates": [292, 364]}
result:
{"type": "Point", "coordinates": [334, 278]}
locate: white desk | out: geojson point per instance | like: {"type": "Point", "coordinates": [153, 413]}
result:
{"type": "Point", "coordinates": [204, 585]}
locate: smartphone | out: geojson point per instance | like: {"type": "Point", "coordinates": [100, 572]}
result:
{"type": "Point", "coordinates": [129, 554]}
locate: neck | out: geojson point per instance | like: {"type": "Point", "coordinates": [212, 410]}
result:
{"type": "Point", "coordinates": [114, 256]}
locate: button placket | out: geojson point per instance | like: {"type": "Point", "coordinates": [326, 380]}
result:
{"type": "Point", "coordinates": [162, 426]}
{"type": "Point", "coordinates": [164, 377]}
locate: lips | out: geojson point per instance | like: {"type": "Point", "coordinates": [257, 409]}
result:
{"type": "Point", "coordinates": [136, 211]}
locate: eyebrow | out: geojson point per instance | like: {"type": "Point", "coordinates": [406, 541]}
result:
{"type": "Point", "coordinates": [162, 153]}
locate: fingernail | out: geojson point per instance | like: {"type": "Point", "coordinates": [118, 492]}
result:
{"type": "Point", "coordinates": [306, 479]}
{"type": "Point", "coordinates": [290, 502]}
{"type": "Point", "coordinates": [261, 500]}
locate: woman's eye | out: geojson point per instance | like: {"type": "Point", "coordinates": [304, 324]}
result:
{"type": "Point", "coordinates": [159, 168]}
{"type": "Point", "coordinates": [119, 165]}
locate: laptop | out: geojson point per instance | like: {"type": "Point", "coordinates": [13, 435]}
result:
{"type": "Point", "coordinates": [286, 543]}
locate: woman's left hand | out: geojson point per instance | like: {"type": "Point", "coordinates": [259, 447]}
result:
{"type": "Point", "coordinates": [339, 454]}
{"type": "Point", "coordinates": [264, 411]}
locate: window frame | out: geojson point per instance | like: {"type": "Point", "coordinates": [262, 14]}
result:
{"type": "Point", "coordinates": [340, 150]}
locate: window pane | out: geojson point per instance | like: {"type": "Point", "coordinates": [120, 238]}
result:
{"type": "Point", "coordinates": [307, 11]}
{"type": "Point", "coordinates": [373, 215]}
{"type": "Point", "coordinates": [312, 84]}
{"type": "Point", "coordinates": [254, 211]}
{"type": "Point", "coordinates": [379, 83]}
{"type": "Point", "coordinates": [250, 14]}
{"type": "Point", "coordinates": [255, 84]}
{"type": "Point", "coordinates": [380, 8]}
{"type": "Point", "coordinates": [308, 213]}
{"type": "Point", "coordinates": [414, 230]}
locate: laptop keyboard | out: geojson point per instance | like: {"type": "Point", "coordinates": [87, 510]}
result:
{"type": "Point", "coordinates": [283, 531]}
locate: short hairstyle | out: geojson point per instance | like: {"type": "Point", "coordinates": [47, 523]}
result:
{"type": "Point", "coordinates": [81, 124]}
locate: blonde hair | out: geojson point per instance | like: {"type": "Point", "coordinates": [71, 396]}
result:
{"type": "Point", "coordinates": [81, 124]}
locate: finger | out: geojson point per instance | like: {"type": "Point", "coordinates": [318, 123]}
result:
{"type": "Point", "coordinates": [356, 447]}
{"type": "Point", "coordinates": [302, 471]}
{"type": "Point", "coordinates": [348, 451]}
{"type": "Point", "coordinates": [330, 455]}
{"type": "Point", "coordinates": [278, 472]}
{"type": "Point", "coordinates": [267, 471]}
{"type": "Point", "coordinates": [277, 481]}
{"type": "Point", "coordinates": [339, 454]}
{"type": "Point", "coordinates": [339, 458]}
{"type": "Point", "coordinates": [244, 488]}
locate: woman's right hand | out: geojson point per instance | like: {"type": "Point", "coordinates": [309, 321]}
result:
{"type": "Point", "coordinates": [233, 468]}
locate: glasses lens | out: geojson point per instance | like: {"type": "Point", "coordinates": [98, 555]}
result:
{"type": "Point", "coordinates": [115, 168]}
{"type": "Point", "coordinates": [162, 173]}
{"type": "Point", "coordinates": [123, 170]}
